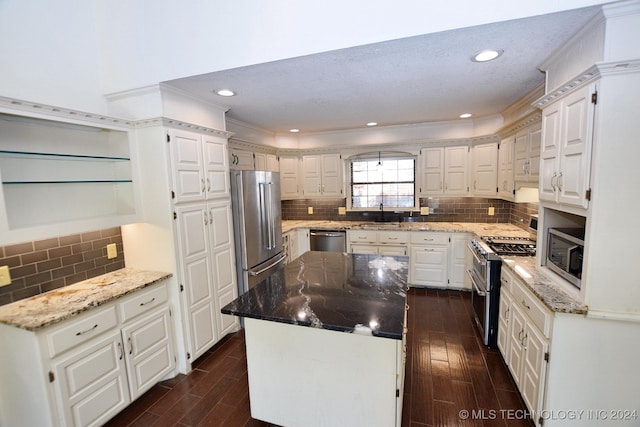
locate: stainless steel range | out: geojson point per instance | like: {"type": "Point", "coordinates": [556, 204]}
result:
{"type": "Point", "coordinates": [484, 270]}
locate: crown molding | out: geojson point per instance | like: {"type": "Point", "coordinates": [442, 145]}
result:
{"type": "Point", "coordinates": [251, 146]}
{"type": "Point", "coordinates": [593, 73]}
{"type": "Point", "coordinates": [35, 109]}
{"type": "Point", "coordinates": [178, 124]}
{"type": "Point", "coordinates": [524, 122]}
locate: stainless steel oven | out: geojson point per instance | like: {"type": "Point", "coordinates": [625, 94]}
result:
{"type": "Point", "coordinates": [484, 271]}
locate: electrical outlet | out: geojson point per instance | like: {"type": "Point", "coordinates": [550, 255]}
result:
{"type": "Point", "coordinates": [492, 211]}
{"type": "Point", "coordinates": [112, 251]}
{"type": "Point", "coordinates": [5, 276]}
{"type": "Point", "coordinates": [424, 210]}
{"type": "Point", "coordinates": [310, 210]}
{"type": "Point", "coordinates": [342, 211]}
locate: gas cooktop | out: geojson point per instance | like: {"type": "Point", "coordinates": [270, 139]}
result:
{"type": "Point", "coordinates": [515, 246]}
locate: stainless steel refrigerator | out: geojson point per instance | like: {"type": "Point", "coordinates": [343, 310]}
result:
{"type": "Point", "coordinates": [257, 223]}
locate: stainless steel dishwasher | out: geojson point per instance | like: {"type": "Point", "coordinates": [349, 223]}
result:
{"type": "Point", "coordinates": [328, 240]}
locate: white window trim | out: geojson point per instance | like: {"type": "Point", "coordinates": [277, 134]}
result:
{"type": "Point", "coordinates": [387, 155]}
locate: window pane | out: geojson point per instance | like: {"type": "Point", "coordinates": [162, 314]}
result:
{"type": "Point", "coordinates": [391, 183]}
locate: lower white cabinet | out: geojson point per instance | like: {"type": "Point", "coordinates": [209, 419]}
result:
{"type": "Point", "coordinates": [438, 259]}
{"type": "Point", "coordinates": [380, 242]}
{"type": "Point", "coordinates": [83, 371]}
{"type": "Point", "coordinates": [524, 339]}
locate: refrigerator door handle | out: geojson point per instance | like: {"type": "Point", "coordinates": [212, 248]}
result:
{"type": "Point", "coordinates": [262, 270]}
{"type": "Point", "coordinates": [265, 228]}
{"type": "Point", "coordinates": [272, 226]}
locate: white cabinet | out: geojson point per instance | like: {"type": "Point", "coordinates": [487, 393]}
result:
{"type": "Point", "coordinates": [380, 242]}
{"type": "Point", "coordinates": [241, 159]}
{"type": "Point", "coordinates": [438, 259]}
{"type": "Point", "coordinates": [445, 171]}
{"type": "Point", "coordinates": [266, 162]}
{"type": "Point", "coordinates": [205, 234]}
{"type": "Point", "coordinates": [289, 177]}
{"type": "Point", "coordinates": [524, 338]}
{"type": "Point", "coordinates": [304, 244]}
{"type": "Point", "coordinates": [527, 154]}
{"type": "Point", "coordinates": [485, 169]}
{"type": "Point", "coordinates": [506, 158]}
{"type": "Point", "coordinates": [322, 175]}
{"type": "Point", "coordinates": [200, 168]}
{"type": "Point", "coordinates": [567, 127]}
{"type": "Point", "coordinates": [60, 177]}
{"type": "Point", "coordinates": [84, 370]}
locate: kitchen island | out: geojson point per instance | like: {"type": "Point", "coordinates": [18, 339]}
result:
{"type": "Point", "coordinates": [325, 341]}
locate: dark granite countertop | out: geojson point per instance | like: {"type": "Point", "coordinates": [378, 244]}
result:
{"type": "Point", "coordinates": [346, 292]}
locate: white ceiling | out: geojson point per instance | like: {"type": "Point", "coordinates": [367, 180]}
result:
{"type": "Point", "coordinates": [420, 79]}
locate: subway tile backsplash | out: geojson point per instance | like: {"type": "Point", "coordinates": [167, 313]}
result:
{"type": "Point", "coordinates": [43, 265]}
{"type": "Point", "coordinates": [444, 209]}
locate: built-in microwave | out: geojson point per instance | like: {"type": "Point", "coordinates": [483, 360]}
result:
{"type": "Point", "coordinates": [565, 248]}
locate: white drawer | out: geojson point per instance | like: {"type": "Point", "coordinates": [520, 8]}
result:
{"type": "Point", "coordinates": [538, 314]}
{"type": "Point", "coordinates": [429, 238]}
{"type": "Point", "coordinates": [506, 279]}
{"type": "Point", "coordinates": [362, 236]}
{"type": "Point", "coordinates": [394, 237]}
{"type": "Point", "coordinates": [77, 331]}
{"type": "Point", "coordinates": [143, 301]}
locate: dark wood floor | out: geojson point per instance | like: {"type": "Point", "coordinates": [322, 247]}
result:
{"type": "Point", "coordinates": [448, 372]}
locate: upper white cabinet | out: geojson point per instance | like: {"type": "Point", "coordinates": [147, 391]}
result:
{"type": "Point", "coordinates": [506, 185]}
{"type": "Point", "coordinates": [241, 159]}
{"type": "Point", "coordinates": [289, 177]}
{"type": "Point", "coordinates": [567, 127]}
{"type": "Point", "coordinates": [266, 162]}
{"type": "Point", "coordinates": [61, 177]}
{"type": "Point", "coordinates": [485, 169]}
{"type": "Point", "coordinates": [527, 154]}
{"type": "Point", "coordinates": [200, 166]}
{"type": "Point", "coordinates": [322, 175]}
{"type": "Point", "coordinates": [445, 171]}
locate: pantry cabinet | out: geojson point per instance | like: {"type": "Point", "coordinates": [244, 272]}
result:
{"type": "Point", "coordinates": [445, 171]}
{"type": "Point", "coordinates": [567, 127]}
{"type": "Point", "coordinates": [322, 175]}
{"type": "Point", "coordinates": [84, 370]}
{"type": "Point", "coordinates": [62, 159]}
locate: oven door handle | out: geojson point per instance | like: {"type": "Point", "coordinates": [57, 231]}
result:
{"type": "Point", "coordinates": [473, 252]}
{"type": "Point", "coordinates": [481, 292]}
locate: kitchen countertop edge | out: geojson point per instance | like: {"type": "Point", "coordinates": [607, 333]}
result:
{"type": "Point", "coordinates": [37, 312]}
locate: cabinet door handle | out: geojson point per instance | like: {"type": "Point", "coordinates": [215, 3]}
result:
{"type": "Point", "coordinates": [202, 184]}
{"type": "Point", "coordinates": [147, 302]}
{"type": "Point", "coordinates": [87, 331]}
{"type": "Point", "coordinates": [474, 184]}
{"type": "Point", "coordinates": [208, 185]}
{"type": "Point", "coordinates": [525, 305]}
{"type": "Point", "coordinates": [553, 185]}
{"type": "Point", "coordinates": [120, 349]}
{"type": "Point", "coordinates": [560, 182]}
{"type": "Point", "coordinates": [206, 219]}
{"type": "Point", "coordinates": [130, 345]}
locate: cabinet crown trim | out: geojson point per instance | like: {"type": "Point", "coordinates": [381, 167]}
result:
{"type": "Point", "coordinates": [178, 124]}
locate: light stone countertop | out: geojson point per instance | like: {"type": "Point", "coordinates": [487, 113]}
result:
{"type": "Point", "coordinates": [63, 303]}
{"type": "Point", "coordinates": [551, 295]}
{"type": "Point", "coordinates": [542, 285]}
{"type": "Point", "coordinates": [479, 229]}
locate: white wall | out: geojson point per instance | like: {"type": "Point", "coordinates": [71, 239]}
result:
{"type": "Point", "coordinates": [70, 52]}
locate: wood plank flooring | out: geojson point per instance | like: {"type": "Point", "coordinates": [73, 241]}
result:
{"type": "Point", "coordinates": [448, 371]}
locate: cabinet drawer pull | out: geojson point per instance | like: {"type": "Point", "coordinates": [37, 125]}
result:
{"type": "Point", "coordinates": [148, 302]}
{"type": "Point", "coordinates": [429, 250]}
{"type": "Point", "coordinates": [87, 331]}
{"type": "Point", "coordinates": [525, 305]}
{"type": "Point", "coordinates": [393, 238]}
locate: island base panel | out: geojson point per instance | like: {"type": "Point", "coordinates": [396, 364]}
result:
{"type": "Point", "coordinates": [304, 376]}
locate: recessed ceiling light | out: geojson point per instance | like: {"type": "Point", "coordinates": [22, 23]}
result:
{"type": "Point", "coordinates": [487, 55]}
{"type": "Point", "coordinates": [294, 130]}
{"type": "Point", "coordinates": [372, 124]}
{"type": "Point", "coordinates": [225, 92]}
{"type": "Point", "coordinates": [465, 115]}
